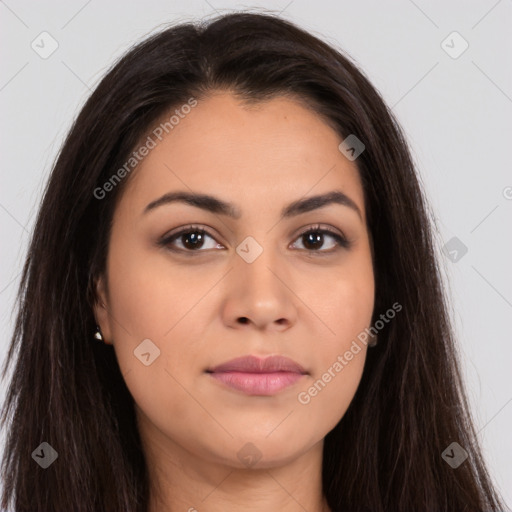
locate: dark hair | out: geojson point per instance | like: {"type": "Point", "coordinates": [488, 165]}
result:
{"type": "Point", "coordinates": [67, 390]}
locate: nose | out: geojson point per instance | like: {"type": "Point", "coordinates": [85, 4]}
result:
{"type": "Point", "coordinates": [260, 295]}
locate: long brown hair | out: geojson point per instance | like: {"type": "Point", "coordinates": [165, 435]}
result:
{"type": "Point", "coordinates": [67, 390]}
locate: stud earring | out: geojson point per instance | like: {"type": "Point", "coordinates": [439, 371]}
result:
{"type": "Point", "coordinates": [97, 334]}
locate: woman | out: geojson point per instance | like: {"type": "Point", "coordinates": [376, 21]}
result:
{"type": "Point", "coordinates": [231, 300]}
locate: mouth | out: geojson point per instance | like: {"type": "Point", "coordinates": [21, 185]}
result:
{"type": "Point", "coordinates": [254, 376]}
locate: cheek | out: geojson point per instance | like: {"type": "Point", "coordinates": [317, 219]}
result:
{"type": "Point", "coordinates": [141, 309]}
{"type": "Point", "coordinates": [339, 360]}
{"type": "Point", "coordinates": [148, 295]}
{"type": "Point", "coordinates": [346, 309]}
{"type": "Point", "coordinates": [342, 302]}
{"type": "Point", "coordinates": [351, 310]}
{"type": "Point", "coordinates": [153, 307]}
{"type": "Point", "coordinates": [327, 395]}
{"type": "Point", "coordinates": [149, 325]}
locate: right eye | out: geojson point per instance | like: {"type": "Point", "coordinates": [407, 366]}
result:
{"type": "Point", "coordinates": [191, 238]}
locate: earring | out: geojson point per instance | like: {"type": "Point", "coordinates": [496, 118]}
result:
{"type": "Point", "coordinates": [97, 334]}
{"type": "Point", "coordinates": [373, 342]}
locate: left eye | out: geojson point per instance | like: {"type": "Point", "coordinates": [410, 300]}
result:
{"type": "Point", "coordinates": [192, 239]}
{"type": "Point", "coordinates": [315, 236]}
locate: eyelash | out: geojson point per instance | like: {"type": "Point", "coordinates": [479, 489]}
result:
{"type": "Point", "coordinates": [341, 241]}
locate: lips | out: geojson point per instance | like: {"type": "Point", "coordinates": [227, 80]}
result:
{"type": "Point", "coordinates": [254, 376]}
{"type": "Point", "coordinates": [252, 364]}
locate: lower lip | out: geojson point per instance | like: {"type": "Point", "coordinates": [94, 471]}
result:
{"type": "Point", "coordinates": [258, 383]}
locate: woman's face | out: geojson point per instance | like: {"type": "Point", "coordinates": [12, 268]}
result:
{"type": "Point", "coordinates": [251, 285]}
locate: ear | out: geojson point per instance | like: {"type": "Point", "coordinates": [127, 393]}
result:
{"type": "Point", "coordinates": [102, 311]}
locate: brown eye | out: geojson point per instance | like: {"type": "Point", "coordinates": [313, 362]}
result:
{"type": "Point", "coordinates": [314, 239]}
{"type": "Point", "coordinates": [194, 239]}
{"type": "Point", "coordinates": [190, 239]}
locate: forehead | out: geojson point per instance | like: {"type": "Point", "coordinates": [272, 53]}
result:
{"type": "Point", "coordinates": [267, 152]}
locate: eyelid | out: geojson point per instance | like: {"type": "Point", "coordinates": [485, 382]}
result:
{"type": "Point", "coordinates": [341, 240]}
{"type": "Point", "coordinates": [321, 227]}
{"type": "Point", "coordinates": [165, 240]}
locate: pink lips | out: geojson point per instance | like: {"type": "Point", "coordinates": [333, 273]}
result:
{"type": "Point", "coordinates": [255, 376]}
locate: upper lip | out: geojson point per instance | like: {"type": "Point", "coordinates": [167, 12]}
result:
{"type": "Point", "coordinates": [253, 364]}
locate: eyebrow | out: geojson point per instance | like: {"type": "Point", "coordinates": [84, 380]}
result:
{"type": "Point", "coordinates": [215, 205]}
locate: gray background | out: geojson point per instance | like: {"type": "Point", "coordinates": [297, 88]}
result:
{"type": "Point", "coordinates": [456, 113]}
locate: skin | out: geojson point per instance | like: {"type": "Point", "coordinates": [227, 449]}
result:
{"type": "Point", "coordinates": [299, 302]}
